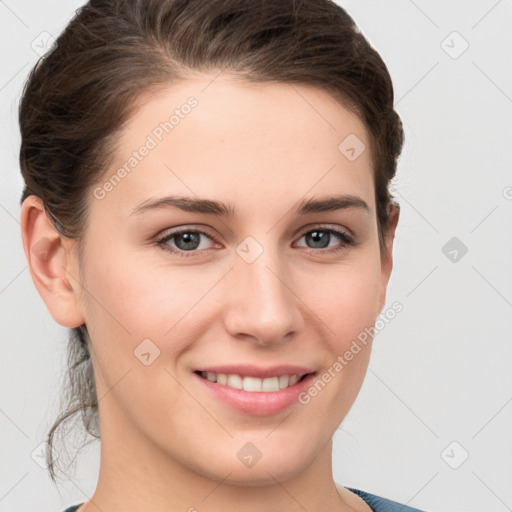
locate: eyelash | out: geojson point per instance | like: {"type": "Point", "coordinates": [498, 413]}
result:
{"type": "Point", "coordinates": [341, 235]}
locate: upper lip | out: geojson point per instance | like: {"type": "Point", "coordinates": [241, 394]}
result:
{"type": "Point", "coordinates": [256, 371]}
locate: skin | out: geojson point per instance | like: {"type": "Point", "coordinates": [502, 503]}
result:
{"type": "Point", "coordinates": [263, 148]}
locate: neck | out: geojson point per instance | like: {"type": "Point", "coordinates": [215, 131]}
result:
{"type": "Point", "coordinates": [137, 475]}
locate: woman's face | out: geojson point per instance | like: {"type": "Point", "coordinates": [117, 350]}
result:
{"type": "Point", "coordinates": [266, 287]}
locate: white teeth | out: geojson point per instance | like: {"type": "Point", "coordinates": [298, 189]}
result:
{"type": "Point", "coordinates": [222, 378]}
{"type": "Point", "coordinates": [252, 384]}
{"type": "Point", "coordinates": [235, 381]}
{"type": "Point", "coordinates": [270, 384]}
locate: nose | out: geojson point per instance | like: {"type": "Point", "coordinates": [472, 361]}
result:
{"type": "Point", "coordinates": [261, 305]}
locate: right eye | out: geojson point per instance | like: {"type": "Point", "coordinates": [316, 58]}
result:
{"type": "Point", "coordinates": [185, 241]}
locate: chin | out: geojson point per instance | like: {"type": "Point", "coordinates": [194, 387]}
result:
{"type": "Point", "coordinates": [276, 462]}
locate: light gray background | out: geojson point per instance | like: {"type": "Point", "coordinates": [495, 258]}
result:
{"type": "Point", "coordinates": [440, 371]}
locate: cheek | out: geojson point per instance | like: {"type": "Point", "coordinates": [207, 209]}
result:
{"type": "Point", "coordinates": [175, 306]}
{"type": "Point", "coordinates": [130, 300]}
{"type": "Point", "coordinates": [346, 298]}
{"type": "Point", "coordinates": [141, 300]}
{"type": "Point", "coordinates": [172, 305]}
{"type": "Point", "coordinates": [348, 307]}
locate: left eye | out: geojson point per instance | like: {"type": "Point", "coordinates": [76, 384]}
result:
{"type": "Point", "coordinates": [189, 240]}
{"type": "Point", "coordinates": [321, 237]}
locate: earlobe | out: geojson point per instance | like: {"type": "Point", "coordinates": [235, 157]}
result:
{"type": "Point", "coordinates": [50, 263]}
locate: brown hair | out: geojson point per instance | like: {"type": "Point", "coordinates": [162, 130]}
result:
{"type": "Point", "coordinates": [79, 94]}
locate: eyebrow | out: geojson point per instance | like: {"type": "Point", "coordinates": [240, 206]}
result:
{"type": "Point", "coordinates": [208, 206]}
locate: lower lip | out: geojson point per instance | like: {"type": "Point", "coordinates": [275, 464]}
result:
{"type": "Point", "coordinates": [259, 403]}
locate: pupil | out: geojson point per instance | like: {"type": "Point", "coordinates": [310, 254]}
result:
{"type": "Point", "coordinates": [320, 237]}
{"type": "Point", "coordinates": [191, 241]}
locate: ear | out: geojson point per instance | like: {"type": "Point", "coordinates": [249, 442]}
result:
{"type": "Point", "coordinates": [52, 263]}
{"type": "Point", "coordinates": [387, 255]}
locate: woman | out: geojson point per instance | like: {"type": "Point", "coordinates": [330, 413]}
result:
{"type": "Point", "coordinates": [206, 207]}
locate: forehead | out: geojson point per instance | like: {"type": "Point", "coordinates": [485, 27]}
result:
{"type": "Point", "coordinates": [227, 137]}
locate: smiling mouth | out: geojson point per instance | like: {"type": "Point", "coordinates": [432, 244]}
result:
{"type": "Point", "coordinates": [253, 384]}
